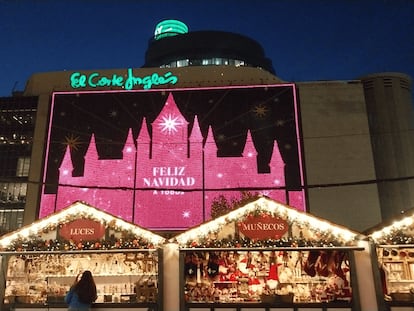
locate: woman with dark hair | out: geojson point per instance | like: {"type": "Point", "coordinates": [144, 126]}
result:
{"type": "Point", "coordinates": [82, 293]}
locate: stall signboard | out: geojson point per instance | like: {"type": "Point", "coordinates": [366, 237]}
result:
{"type": "Point", "coordinates": [82, 230]}
{"type": "Point", "coordinates": [263, 227]}
{"type": "Point", "coordinates": [162, 158]}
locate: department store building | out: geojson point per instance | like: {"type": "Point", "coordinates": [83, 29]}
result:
{"type": "Point", "coordinates": [205, 119]}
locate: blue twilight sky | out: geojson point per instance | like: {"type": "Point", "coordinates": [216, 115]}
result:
{"type": "Point", "coordinates": [307, 40]}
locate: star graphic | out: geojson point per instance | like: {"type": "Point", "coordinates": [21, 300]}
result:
{"type": "Point", "coordinates": [280, 122]}
{"type": "Point", "coordinates": [186, 214]}
{"type": "Point", "coordinates": [113, 113]}
{"type": "Point", "coordinates": [260, 111]}
{"type": "Point", "coordinates": [72, 141]}
{"type": "Point", "coordinates": [265, 192]}
{"type": "Point", "coordinates": [170, 124]}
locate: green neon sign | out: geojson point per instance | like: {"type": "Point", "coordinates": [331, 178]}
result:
{"type": "Point", "coordinates": [95, 79]}
{"type": "Point", "coordinates": [168, 28]}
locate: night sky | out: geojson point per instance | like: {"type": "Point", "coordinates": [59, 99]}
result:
{"type": "Point", "coordinates": [306, 40]}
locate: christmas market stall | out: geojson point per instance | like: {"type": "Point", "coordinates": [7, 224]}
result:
{"type": "Point", "coordinates": [394, 241]}
{"type": "Point", "coordinates": [40, 261]}
{"type": "Point", "coordinates": [266, 255]}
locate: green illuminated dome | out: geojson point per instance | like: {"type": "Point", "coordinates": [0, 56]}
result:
{"type": "Point", "coordinates": [168, 28]}
{"type": "Point", "coordinates": [174, 46]}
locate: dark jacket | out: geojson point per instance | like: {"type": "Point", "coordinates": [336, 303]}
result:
{"type": "Point", "coordinates": [72, 299]}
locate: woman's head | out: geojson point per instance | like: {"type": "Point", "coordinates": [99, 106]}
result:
{"type": "Point", "coordinates": [86, 276]}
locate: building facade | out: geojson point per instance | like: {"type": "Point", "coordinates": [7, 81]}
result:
{"type": "Point", "coordinates": [351, 141]}
{"type": "Point", "coordinates": [17, 123]}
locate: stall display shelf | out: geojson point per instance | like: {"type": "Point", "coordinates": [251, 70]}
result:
{"type": "Point", "coordinates": [120, 277]}
{"type": "Point", "coordinates": [397, 266]}
{"type": "Point", "coordinates": [266, 276]}
{"type": "Point", "coordinates": [340, 306]}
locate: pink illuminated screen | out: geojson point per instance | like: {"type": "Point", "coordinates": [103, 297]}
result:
{"type": "Point", "coordinates": [159, 158]}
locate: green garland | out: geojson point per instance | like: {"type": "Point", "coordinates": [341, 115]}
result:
{"type": "Point", "coordinates": [37, 244]}
{"type": "Point", "coordinates": [268, 243]}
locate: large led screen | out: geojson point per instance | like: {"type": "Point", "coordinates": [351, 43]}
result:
{"type": "Point", "coordinates": [160, 158]}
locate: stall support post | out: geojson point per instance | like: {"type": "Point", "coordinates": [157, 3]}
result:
{"type": "Point", "coordinates": [356, 295]}
{"type": "Point", "coordinates": [3, 273]}
{"type": "Point", "coordinates": [160, 295]}
{"type": "Point", "coordinates": [366, 282]}
{"type": "Point", "coordinates": [377, 278]}
{"type": "Point", "coordinates": [171, 266]}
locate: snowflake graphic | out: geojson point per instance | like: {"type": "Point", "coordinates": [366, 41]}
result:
{"type": "Point", "coordinates": [169, 124]}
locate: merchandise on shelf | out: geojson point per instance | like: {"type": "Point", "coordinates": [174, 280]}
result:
{"type": "Point", "coordinates": [46, 278]}
{"type": "Point", "coordinates": [267, 276]}
{"type": "Point", "coordinates": [397, 272]}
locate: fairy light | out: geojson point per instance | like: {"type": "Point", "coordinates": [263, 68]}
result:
{"type": "Point", "coordinates": [267, 206]}
{"type": "Point", "coordinates": [77, 210]}
{"type": "Point", "coordinates": [406, 222]}
{"type": "Point", "coordinates": [394, 231]}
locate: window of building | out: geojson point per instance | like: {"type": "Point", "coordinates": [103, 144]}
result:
{"type": "Point", "coordinates": [12, 192]}
{"type": "Point", "coordinates": [239, 63]}
{"type": "Point", "coordinates": [206, 62]}
{"type": "Point", "coordinates": [218, 61]}
{"type": "Point", "coordinates": [11, 219]}
{"type": "Point", "coordinates": [182, 63]}
{"type": "Point", "coordinates": [23, 165]}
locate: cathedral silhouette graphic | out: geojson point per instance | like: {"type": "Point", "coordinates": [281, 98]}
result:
{"type": "Point", "coordinates": [169, 177]}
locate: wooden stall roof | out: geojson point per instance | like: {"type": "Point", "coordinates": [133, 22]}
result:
{"type": "Point", "coordinates": [305, 230]}
{"type": "Point", "coordinates": [398, 231]}
{"type": "Point", "coordinates": [39, 235]}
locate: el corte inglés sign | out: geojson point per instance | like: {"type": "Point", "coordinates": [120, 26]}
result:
{"type": "Point", "coordinates": [129, 81]}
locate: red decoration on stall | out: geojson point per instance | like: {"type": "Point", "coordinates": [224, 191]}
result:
{"type": "Point", "coordinates": [263, 227]}
{"type": "Point", "coordinates": [82, 230]}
